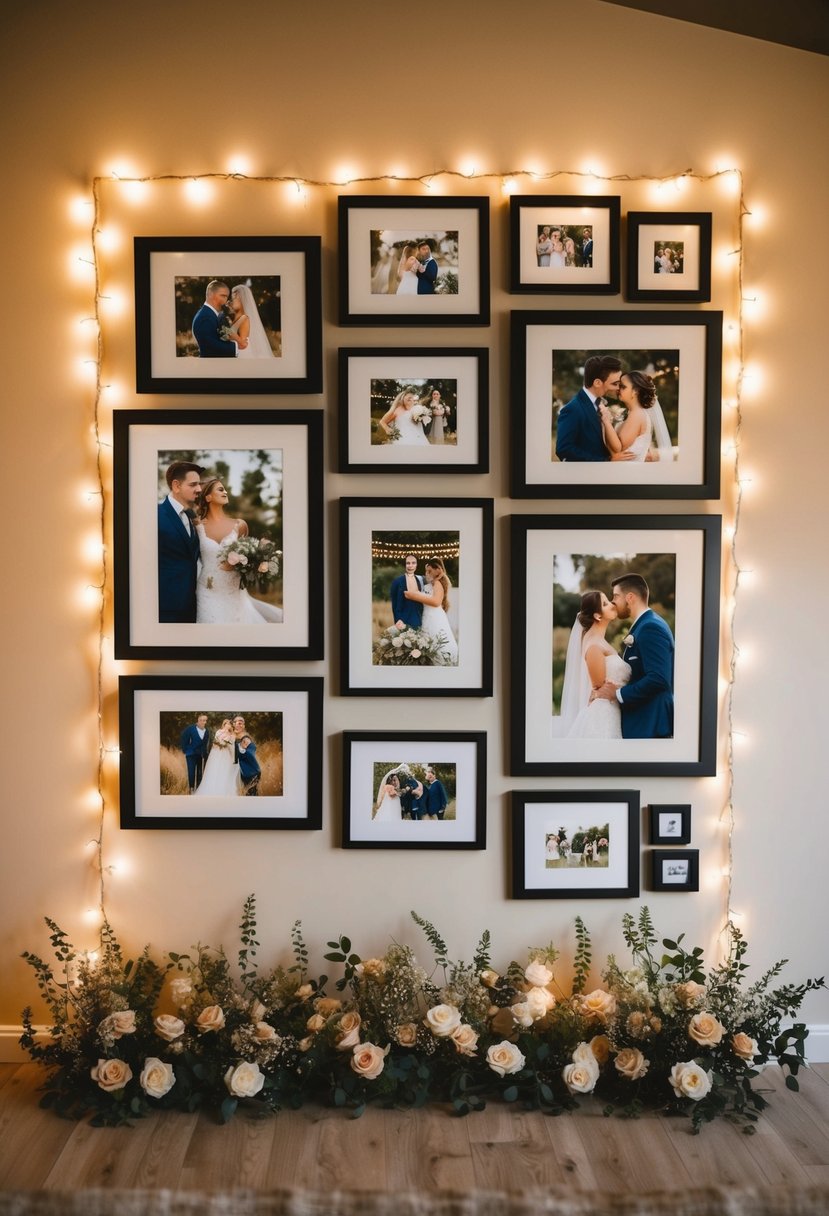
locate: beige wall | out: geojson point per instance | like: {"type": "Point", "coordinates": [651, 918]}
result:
{"type": "Point", "coordinates": [303, 90]}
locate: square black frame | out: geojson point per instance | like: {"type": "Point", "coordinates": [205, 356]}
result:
{"type": "Point", "coordinates": [609, 203]}
{"type": "Point", "coordinates": [670, 292]}
{"type": "Point", "coordinates": [682, 812]}
{"type": "Point", "coordinates": [311, 249]}
{"type": "Point", "coordinates": [660, 858]}
{"type": "Point", "coordinates": [520, 800]}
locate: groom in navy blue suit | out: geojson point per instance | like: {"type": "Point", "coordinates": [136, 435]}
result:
{"type": "Point", "coordinates": [426, 270]}
{"type": "Point", "coordinates": [579, 426]}
{"type": "Point", "coordinates": [195, 743]}
{"type": "Point", "coordinates": [178, 545]}
{"type": "Point", "coordinates": [207, 322]}
{"type": "Point", "coordinates": [647, 700]}
{"type": "Point", "coordinates": [406, 612]}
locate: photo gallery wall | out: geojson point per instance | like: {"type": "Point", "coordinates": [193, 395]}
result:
{"type": "Point", "coordinates": [614, 618]}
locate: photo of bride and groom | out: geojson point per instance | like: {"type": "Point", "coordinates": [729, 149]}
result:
{"type": "Point", "coordinates": [564, 245]}
{"type": "Point", "coordinates": [219, 537]}
{"type": "Point", "coordinates": [414, 614]}
{"type": "Point", "coordinates": [639, 423]}
{"type": "Point", "coordinates": [220, 755]}
{"type": "Point", "coordinates": [414, 413]}
{"type": "Point", "coordinates": [414, 264]}
{"type": "Point", "coordinates": [613, 684]}
{"type": "Point", "coordinates": [414, 792]}
{"type": "Point", "coordinates": [239, 317]}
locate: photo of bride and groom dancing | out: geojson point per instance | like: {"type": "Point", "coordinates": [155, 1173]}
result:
{"type": "Point", "coordinates": [607, 695]}
{"type": "Point", "coordinates": [211, 569]}
{"type": "Point", "coordinates": [239, 319]}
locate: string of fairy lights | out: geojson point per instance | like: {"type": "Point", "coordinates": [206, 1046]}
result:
{"type": "Point", "coordinates": [198, 191]}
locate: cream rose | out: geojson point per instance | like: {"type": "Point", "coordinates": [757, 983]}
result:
{"type": "Point", "coordinates": [690, 993]}
{"type": "Point", "coordinates": [326, 1005]}
{"type": "Point", "coordinates": [157, 1078]}
{"type": "Point", "coordinates": [443, 1020]}
{"type": "Point", "coordinates": [598, 1004]}
{"type": "Point", "coordinates": [349, 1033]}
{"type": "Point", "coordinates": [406, 1034]}
{"type": "Point", "coordinates": [111, 1074]}
{"type": "Point", "coordinates": [505, 1058]}
{"type": "Point", "coordinates": [744, 1047]}
{"type": "Point", "coordinates": [690, 1081]}
{"type": "Point", "coordinates": [244, 1080]}
{"type": "Point", "coordinates": [368, 1060]}
{"type": "Point", "coordinates": [631, 1064]}
{"type": "Point", "coordinates": [489, 978]}
{"type": "Point", "coordinates": [538, 975]}
{"type": "Point", "coordinates": [522, 1014]}
{"type": "Point", "coordinates": [169, 1027]}
{"type": "Point", "coordinates": [315, 1023]}
{"type": "Point", "coordinates": [540, 1001]}
{"type": "Point", "coordinates": [704, 1029]}
{"type": "Point", "coordinates": [600, 1046]}
{"type": "Point", "coordinates": [116, 1025]}
{"type": "Point", "coordinates": [211, 1018]}
{"type": "Point", "coordinates": [263, 1032]}
{"type": "Point", "coordinates": [581, 1076]}
{"type": "Point", "coordinates": [465, 1040]}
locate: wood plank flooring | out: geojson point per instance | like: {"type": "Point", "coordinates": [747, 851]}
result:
{"type": "Point", "coordinates": [497, 1149]}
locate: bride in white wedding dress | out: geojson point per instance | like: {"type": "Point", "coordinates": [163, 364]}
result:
{"type": "Point", "coordinates": [406, 272]}
{"type": "Point", "coordinates": [590, 661]}
{"type": "Point", "coordinates": [644, 420]}
{"type": "Point", "coordinates": [221, 772]}
{"type": "Point", "coordinates": [219, 598]}
{"type": "Point", "coordinates": [435, 600]}
{"type": "Point", "coordinates": [388, 800]}
{"type": "Point", "coordinates": [399, 416]}
{"type": "Point", "coordinates": [248, 324]}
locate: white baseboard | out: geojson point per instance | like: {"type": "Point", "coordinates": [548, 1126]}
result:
{"type": "Point", "coordinates": [817, 1044]}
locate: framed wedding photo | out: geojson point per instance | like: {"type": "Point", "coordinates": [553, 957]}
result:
{"type": "Point", "coordinates": [414, 790]}
{"type": "Point", "coordinates": [564, 244]}
{"type": "Point", "coordinates": [575, 844]}
{"type": "Point", "coordinates": [669, 257]}
{"type": "Point", "coordinates": [413, 261]}
{"type": "Point", "coordinates": [416, 597]}
{"type": "Point", "coordinates": [674, 870]}
{"type": "Point", "coordinates": [628, 606]}
{"type": "Point", "coordinates": [228, 314]}
{"type": "Point", "coordinates": [222, 752]}
{"type": "Point", "coordinates": [616, 404]}
{"type": "Point", "coordinates": [414, 410]}
{"type": "Point", "coordinates": [218, 524]}
{"type": "Point", "coordinates": [669, 824]}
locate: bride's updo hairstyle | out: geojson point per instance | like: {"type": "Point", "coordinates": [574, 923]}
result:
{"type": "Point", "coordinates": [207, 489]}
{"type": "Point", "coordinates": [644, 387]}
{"type": "Point", "coordinates": [591, 603]}
{"type": "Point", "coordinates": [434, 563]}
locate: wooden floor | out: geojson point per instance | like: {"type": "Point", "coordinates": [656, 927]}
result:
{"type": "Point", "coordinates": [498, 1149]}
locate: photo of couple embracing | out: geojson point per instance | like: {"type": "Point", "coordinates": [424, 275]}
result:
{"type": "Point", "coordinates": [414, 605]}
{"type": "Point", "coordinates": [615, 685]}
{"type": "Point", "coordinates": [236, 319]}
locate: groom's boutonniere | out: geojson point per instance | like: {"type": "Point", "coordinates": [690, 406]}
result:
{"type": "Point", "coordinates": [628, 639]}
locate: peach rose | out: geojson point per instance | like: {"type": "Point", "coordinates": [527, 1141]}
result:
{"type": "Point", "coordinates": [116, 1025]}
{"type": "Point", "coordinates": [744, 1047]}
{"type": "Point", "coordinates": [600, 1046]}
{"type": "Point", "coordinates": [211, 1018]}
{"type": "Point", "coordinates": [263, 1032]}
{"type": "Point", "coordinates": [157, 1078]}
{"type": "Point", "coordinates": [305, 1044]}
{"type": "Point", "coordinates": [538, 975]}
{"type": "Point", "coordinates": [443, 1020]}
{"type": "Point", "coordinates": [465, 1040]}
{"type": "Point", "coordinates": [406, 1034]}
{"type": "Point", "coordinates": [315, 1023]}
{"type": "Point", "coordinates": [368, 1060]}
{"type": "Point", "coordinates": [631, 1064]}
{"type": "Point", "coordinates": [489, 978]}
{"type": "Point", "coordinates": [169, 1027]}
{"type": "Point", "coordinates": [505, 1058]}
{"type": "Point", "coordinates": [244, 1080]}
{"type": "Point", "coordinates": [349, 1032]}
{"type": "Point", "coordinates": [690, 993]}
{"type": "Point", "coordinates": [303, 992]}
{"type": "Point", "coordinates": [326, 1005]}
{"type": "Point", "coordinates": [690, 1081]}
{"type": "Point", "coordinates": [111, 1074]}
{"type": "Point", "coordinates": [704, 1029]}
{"type": "Point", "coordinates": [598, 1004]}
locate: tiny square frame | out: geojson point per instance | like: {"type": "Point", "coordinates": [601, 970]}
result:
{"type": "Point", "coordinates": [674, 869]}
{"type": "Point", "coordinates": [669, 824]}
{"type": "Point", "coordinates": [650, 277]}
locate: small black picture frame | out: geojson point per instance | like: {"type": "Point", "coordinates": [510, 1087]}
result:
{"type": "Point", "coordinates": [669, 257]}
{"type": "Point", "coordinates": [669, 824]}
{"type": "Point", "coordinates": [564, 244]}
{"type": "Point", "coordinates": [674, 869]}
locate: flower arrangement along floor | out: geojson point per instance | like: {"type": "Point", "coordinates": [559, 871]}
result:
{"type": "Point", "coordinates": [129, 1037]}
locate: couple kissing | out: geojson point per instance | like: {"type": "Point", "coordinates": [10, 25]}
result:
{"type": "Point", "coordinates": [585, 429]}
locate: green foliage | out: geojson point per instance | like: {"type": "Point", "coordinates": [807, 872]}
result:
{"type": "Point", "coordinates": [582, 958]}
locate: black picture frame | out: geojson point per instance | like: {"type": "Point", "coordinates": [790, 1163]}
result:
{"type": "Point", "coordinates": [140, 439]}
{"type": "Point", "coordinates": [688, 348]}
{"type": "Point", "coordinates": [461, 531]}
{"type": "Point", "coordinates": [585, 270]}
{"type": "Point", "coordinates": [465, 370]}
{"type": "Point", "coordinates": [150, 795]}
{"type": "Point", "coordinates": [543, 867]}
{"type": "Point", "coordinates": [363, 258]}
{"type": "Point", "coordinates": [674, 869]}
{"type": "Point", "coordinates": [454, 754]}
{"type": "Point", "coordinates": [689, 546]}
{"type": "Point", "coordinates": [669, 824]}
{"type": "Point", "coordinates": [690, 280]}
{"type": "Point", "coordinates": [295, 263]}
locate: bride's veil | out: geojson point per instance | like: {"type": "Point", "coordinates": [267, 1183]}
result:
{"type": "Point", "coordinates": [576, 690]}
{"type": "Point", "coordinates": [258, 344]}
{"type": "Point", "coordinates": [660, 432]}
{"type": "Point", "coordinates": [385, 781]}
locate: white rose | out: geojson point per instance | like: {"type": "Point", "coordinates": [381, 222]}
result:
{"type": "Point", "coordinates": [540, 1001]}
{"type": "Point", "coordinates": [465, 1040]}
{"type": "Point", "coordinates": [538, 975]}
{"type": "Point", "coordinates": [744, 1047]}
{"type": "Point", "coordinates": [111, 1074]}
{"type": "Point", "coordinates": [690, 1081]}
{"type": "Point", "coordinates": [704, 1029]}
{"type": "Point", "coordinates": [157, 1078]}
{"type": "Point", "coordinates": [583, 1054]}
{"type": "Point", "coordinates": [522, 1014]}
{"type": "Point", "coordinates": [181, 990]}
{"type": "Point", "coordinates": [581, 1076]}
{"type": "Point", "coordinates": [505, 1058]}
{"type": "Point", "coordinates": [368, 1060]}
{"type": "Point", "coordinates": [443, 1020]}
{"type": "Point", "coordinates": [169, 1027]}
{"type": "Point", "coordinates": [116, 1025]}
{"type": "Point", "coordinates": [631, 1064]}
{"type": "Point", "coordinates": [244, 1080]}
